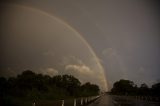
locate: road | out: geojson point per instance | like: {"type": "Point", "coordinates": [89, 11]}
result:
{"type": "Point", "coordinates": [107, 100]}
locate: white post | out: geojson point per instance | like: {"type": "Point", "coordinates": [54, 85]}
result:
{"type": "Point", "coordinates": [62, 102]}
{"type": "Point", "coordinates": [34, 104]}
{"type": "Point", "coordinates": [81, 101]}
{"type": "Point", "coordinates": [86, 100]}
{"type": "Point", "coordinates": [74, 102]}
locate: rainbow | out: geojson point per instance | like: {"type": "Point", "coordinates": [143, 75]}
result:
{"type": "Point", "coordinates": [72, 29]}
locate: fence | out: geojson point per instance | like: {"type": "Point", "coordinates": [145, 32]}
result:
{"type": "Point", "coordinates": [70, 102]}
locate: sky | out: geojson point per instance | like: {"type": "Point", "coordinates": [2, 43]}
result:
{"type": "Point", "coordinates": [101, 41]}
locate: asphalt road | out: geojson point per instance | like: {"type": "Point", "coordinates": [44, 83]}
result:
{"type": "Point", "coordinates": [105, 100]}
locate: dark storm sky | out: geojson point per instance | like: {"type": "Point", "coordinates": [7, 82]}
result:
{"type": "Point", "coordinates": [124, 35]}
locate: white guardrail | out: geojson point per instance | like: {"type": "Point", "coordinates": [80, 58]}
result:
{"type": "Point", "coordinates": [83, 101]}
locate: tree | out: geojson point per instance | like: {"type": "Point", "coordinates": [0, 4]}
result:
{"type": "Point", "coordinates": [156, 89]}
{"type": "Point", "coordinates": [123, 87]}
{"type": "Point", "coordinates": [143, 90]}
{"type": "Point", "coordinates": [71, 84]}
{"type": "Point", "coordinates": [89, 89]}
{"type": "Point", "coordinates": [3, 86]}
{"type": "Point", "coordinates": [30, 85]}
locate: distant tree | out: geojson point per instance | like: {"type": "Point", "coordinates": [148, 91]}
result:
{"type": "Point", "coordinates": [73, 85]}
{"type": "Point", "coordinates": [88, 89]}
{"type": "Point", "coordinates": [156, 89]}
{"type": "Point", "coordinates": [26, 80]}
{"type": "Point", "coordinates": [123, 87]}
{"type": "Point", "coordinates": [144, 86]}
{"type": "Point", "coordinates": [127, 87]}
{"type": "Point", "coordinates": [3, 86]}
{"type": "Point", "coordinates": [32, 86]}
{"type": "Point", "coordinates": [143, 90]}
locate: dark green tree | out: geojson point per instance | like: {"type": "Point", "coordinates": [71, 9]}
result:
{"type": "Point", "coordinates": [123, 87]}
{"type": "Point", "coordinates": [89, 89]}
{"type": "Point", "coordinates": [156, 89]}
{"type": "Point", "coordinates": [143, 90]}
{"type": "Point", "coordinates": [3, 86]}
{"type": "Point", "coordinates": [33, 86]}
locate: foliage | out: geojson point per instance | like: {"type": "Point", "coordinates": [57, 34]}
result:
{"type": "Point", "coordinates": [127, 87]}
{"type": "Point", "coordinates": [156, 89]}
{"type": "Point", "coordinates": [32, 86]}
{"type": "Point", "coordinates": [89, 89]}
{"type": "Point", "coordinates": [123, 87]}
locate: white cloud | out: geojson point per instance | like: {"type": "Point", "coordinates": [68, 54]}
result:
{"type": "Point", "coordinates": [49, 71]}
{"type": "Point", "coordinates": [84, 72]}
{"type": "Point", "coordinates": [79, 69]}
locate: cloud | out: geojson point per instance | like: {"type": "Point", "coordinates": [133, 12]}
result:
{"type": "Point", "coordinates": [71, 60]}
{"type": "Point", "coordinates": [83, 71]}
{"type": "Point", "coordinates": [49, 71]}
{"type": "Point", "coordinates": [86, 74]}
{"type": "Point", "coordinates": [79, 69]}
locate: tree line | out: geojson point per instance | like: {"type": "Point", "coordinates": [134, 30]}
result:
{"type": "Point", "coordinates": [31, 86]}
{"type": "Point", "coordinates": [127, 87]}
